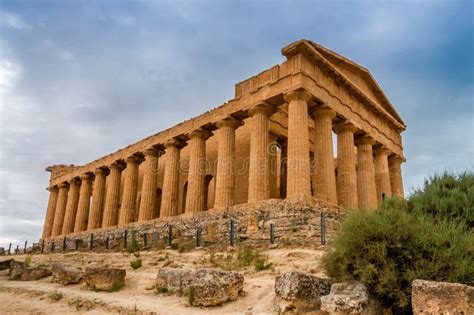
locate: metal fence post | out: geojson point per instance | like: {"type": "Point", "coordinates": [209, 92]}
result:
{"type": "Point", "coordinates": [198, 237]}
{"type": "Point", "coordinates": [145, 240]}
{"type": "Point", "coordinates": [64, 243]}
{"type": "Point", "coordinates": [272, 233]}
{"type": "Point", "coordinates": [33, 248]}
{"type": "Point", "coordinates": [24, 249]}
{"type": "Point", "coordinates": [384, 195]}
{"type": "Point", "coordinates": [107, 243]}
{"type": "Point", "coordinates": [170, 234]}
{"type": "Point", "coordinates": [323, 229]}
{"type": "Point", "coordinates": [10, 249]}
{"type": "Point", "coordinates": [232, 232]}
{"type": "Point", "coordinates": [125, 239]}
{"type": "Point", "coordinates": [42, 247]}
{"type": "Point", "coordinates": [17, 251]}
{"type": "Point", "coordinates": [77, 244]}
{"type": "Point", "coordinates": [52, 247]}
{"type": "Point", "coordinates": [91, 244]}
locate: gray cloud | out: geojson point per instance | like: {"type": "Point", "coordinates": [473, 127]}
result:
{"type": "Point", "coordinates": [73, 74]}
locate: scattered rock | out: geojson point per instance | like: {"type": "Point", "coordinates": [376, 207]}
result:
{"type": "Point", "coordinates": [430, 297]}
{"type": "Point", "coordinates": [19, 271]}
{"type": "Point", "coordinates": [350, 297]}
{"type": "Point", "coordinates": [5, 263]}
{"type": "Point", "coordinates": [105, 279]}
{"type": "Point", "coordinates": [211, 287]}
{"type": "Point", "coordinates": [66, 274]}
{"type": "Point", "coordinates": [300, 291]}
{"type": "Point", "coordinates": [173, 280]}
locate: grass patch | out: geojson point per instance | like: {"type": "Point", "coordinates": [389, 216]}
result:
{"type": "Point", "coordinates": [116, 287]}
{"type": "Point", "coordinates": [133, 246]}
{"type": "Point", "coordinates": [136, 263]}
{"type": "Point", "coordinates": [28, 260]}
{"type": "Point", "coordinates": [162, 290]}
{"type": "Point", "coordinates": [56, 296]}
{"type": "Point", "coordinates": [243, 258]}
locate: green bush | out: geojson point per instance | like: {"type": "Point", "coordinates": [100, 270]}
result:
{"type": "Point", "coordinates": [133, 245]}
{"type": "Point", "coordinates": [389, 248]}
{"type": "Point", "coordinates": [136, 263]}
{"type": "Point", "coordinates": [446, 197]}
{"type": "Point", "coordinates": [28, 260]}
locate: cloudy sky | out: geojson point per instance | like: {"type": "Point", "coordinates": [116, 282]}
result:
{"type": "Point", "coordinates": [76, 75]}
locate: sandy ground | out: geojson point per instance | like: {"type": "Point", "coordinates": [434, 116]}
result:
{"type": "Point", "coordinates": [138, 295]}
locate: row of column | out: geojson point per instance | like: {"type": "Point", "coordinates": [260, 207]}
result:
{"type": "Point", "coordinates": [362, 187]}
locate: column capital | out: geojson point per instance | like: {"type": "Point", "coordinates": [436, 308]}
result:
{"type": "Point", "coordinates": [151, 152]}
{"type": "Point", "coordinates": [86, 176]}
{"type": "Point", "coordinates": [365, 139]}
{"type": "Point", "coordinates": [300, 95]}
{"type": "Point", "coordinates": [396, 159]}
{"type": "Point", "coordinates": [345, 126]}
{"type": "Point", "coordinates": [119, 164]}
{"type": "Point", "coordinates": [101, 170]}
{"type": "Point", "coordinates": [174, 143]}
{"type": "Point", "coordinates": [52, 188]}
{"type": "Point", "coordinates": [324, 110]}
{"type": "Point", "coordinates": [262, 108]}
{"type": "Point", "coordinates": [73, 181]}
{"type": "Point", "coordinates": [134, 159]}
{"type": "Point", "coordinates": [200, 133]}
{"type": "Point", "coordinates": [229, 122]}
{"type": "Point", "coordinates": [63, 185]}
{"type": "Point", "coordinates": [382, 150]}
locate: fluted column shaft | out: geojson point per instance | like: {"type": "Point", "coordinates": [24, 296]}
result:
{"type": "Point", "coordinates": [71, 207]}
{"type": "Point", "coordinates": [299, 175]}
{"type": "Point", "coordinates": [366, 188]}
{"type": "Point", "coordinates": [382, 174]}
{"type": "Point", "coordinates": [150, 177]}
{"type": "Point", "coordinates": [346, 166]}
{"type": "Point", "coordinates": [225, 176]}
{"type": "Point", "coordinates": [60, 209]}
{"type": "Point", "coordinates": [169, 200]}
{"type": "Point", "coordinates": [396, 181]}
{"type": "Point", "coordinates": [324, 155]}
{"type": "Point", "coordinates": [128, 209]}
{"type": "Point", "coordinates": [112, 198]}
{"type": "Point", "coordinates": [48, 221]}
{"type": "Point", "coordinates": [259, 168]}
{"type": "Point", "coordinates": [98, 196]}
{"type": "Point", "coordinates": [197, 171]}
{"type": "Point", "coordinates": [83, 207]}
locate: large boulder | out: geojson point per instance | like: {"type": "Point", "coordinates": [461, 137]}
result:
{"type": "Point", "coordinates": [299, 291]}
{"type": "Point", "coordinates": [211, 287]}
{"type": "Point", "coordinates": [5, 263]}
{"type": "Point", "coordinates": [19, 271]}
{"type": "Point", "coordinates": [66, 274]}
{"type": "Point", "coordinates": [350, 298]}
{"type": "Point", "coordinates": [430, 297]}
{"type": "Point", "coordinates": [105, 279]}
{"type": "Point", "coordinates": [173, 280]}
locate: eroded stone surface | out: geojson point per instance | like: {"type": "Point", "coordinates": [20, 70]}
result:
{"type": "Point", "coordinates": [19, 271]}
{"type": "Point", "coordinates": [66, 274]}
{"type": "Point", "coordinates": [173, 280]}
{"type": "Point", "coordinates": [5, 263]}
{"type": "Point", "coordinates": [350, 298]}
{"type": "Point", "coordinates": [105, 279]}
{"type": "Point", "coordinates": [430, 297]}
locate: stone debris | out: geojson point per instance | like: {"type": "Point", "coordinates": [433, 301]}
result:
{"type": "Point", "coordinates": [66, 274]}
{"type": "Point", "coordinates": [204, 287]}
{"type": "Point", "coordinates": [350, 298]}
{"type": "Point", "coordinates": [19, 271]}
{"type": "Point", "coordinates": [430, 297]}
{"type": "Point", "coordinates": [300, 291]}
{"type": "Point", "coordinates": [5, 263]}
{"type": "Point", "coordinates": [105, 279]}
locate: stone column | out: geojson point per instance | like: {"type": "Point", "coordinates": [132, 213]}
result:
{"type": "Point", "coordinates": [346, 166]}
{"type": "Point", "coordinates": [83, 207]}
{"type": "Point", "coordinates": [259, 172]}
{"type": "Point", "coordinates": [71, 206]}
{"type": "Point", "coordinates": [197, 171]}
{"type": "Point", "coordinates": [324, 155]}
{"type": "Point", "coordinates": [366, 189]}
{"type": "Point", "coordinates": [169, 200]}
{"type": "Point", "coordinates": [299, 175]}
{"type": "Point", "coordinates": [150, 177]}
{"type": "Point", "coordinates": [112, 198]}
{"type": "Point", "coordinates": [60, 209]}
{"type": "Point", "coordinates": [98, 196]}
{"type": "Point", "coordinates": [225, 176]}
{"type": "Point", "coordinates": [396, 181]}
{"type": "Point", "coordinates": [382, 175]}
{"type": "Point", "coordinates": [48, 221]}
{"type": "Point", "coordinates": [128, 210]}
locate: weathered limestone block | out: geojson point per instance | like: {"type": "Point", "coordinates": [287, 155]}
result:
{"type": "Point", "coordinates": [430, 297]}
{"type": "Point", "coordinates": [173, 280]}
{"type": "Point", "coordinates": [105, 279]}
{"type": "Point", "coordinates": [350, 298]}
{"type": "Point", "coordinates": [5, 263]}
{"type": "Point", "coordinates": [66, 274]}
{"type": "Point", "coordinates": [300, 291]}
{"type": "Point", "coordinates": [211, 287]}
{"type": "Point", "coordinates": [19, 271]}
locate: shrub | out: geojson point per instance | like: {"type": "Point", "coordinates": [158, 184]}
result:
{"type": "Point", "coordinates": [446, 197]}
{"type": "Point", "coordinates": [133, 245]}
{"type": "Point", "coordinates": [28, 260]}
{"type": "Point", "coordinates": [136, 263]}
{"type": "Point", "coordinates": [56, 296]}
{"type": "Point", "coordinates": [116, 287]}
{"type": "Point", "coordinates": [261, 264]}
{"type": "Point", "coordinates": [389, 248]}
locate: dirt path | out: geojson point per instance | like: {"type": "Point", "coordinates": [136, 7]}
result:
{"type": "Point", "coordinates": [138, 296]}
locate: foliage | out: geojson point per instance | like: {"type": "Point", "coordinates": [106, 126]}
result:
{"type": "Point", "coordinates": [244, 257]}
{"type": "Point", "coordinates": [261, 264]}
{"type": "Point", "coordinates": [28, 260]}
{"type": "Point", "coordinates": [446, 197]}
{"type": "Point", "coordinates": [56, 296]}
{"type": "Point", "coordinates": [133, 245]}
{"type": "Point", "coordinates": [389, 248]}
{"type": "Point", "coordinates": [162, 289]}
{"type": "Point", "coordinates": [136, 263]}
{"type": "Point", "coordinates": [116, 287]}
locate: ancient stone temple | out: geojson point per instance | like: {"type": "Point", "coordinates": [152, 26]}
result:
{"type": "Point", "coordinates": [274, 139]}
